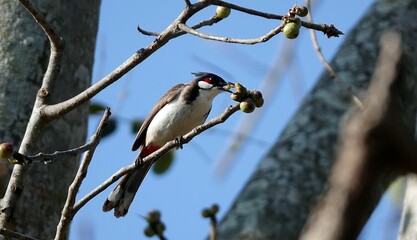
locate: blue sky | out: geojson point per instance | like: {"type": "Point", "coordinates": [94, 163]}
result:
{"type": "Point", "coordinates": [193, 181]}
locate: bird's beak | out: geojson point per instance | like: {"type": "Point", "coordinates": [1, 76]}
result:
{"type": "Point", "coordinates": [227, 87]}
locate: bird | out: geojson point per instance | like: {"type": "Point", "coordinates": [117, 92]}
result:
{"type": "Point", "coordinates": [178, 111]}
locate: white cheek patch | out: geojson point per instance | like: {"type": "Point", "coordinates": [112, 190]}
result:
{"type": "Point", "coordinates": [205, 85]}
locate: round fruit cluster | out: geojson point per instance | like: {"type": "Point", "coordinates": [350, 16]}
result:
{"type": "Point", "coordinates": [249, 100]}
{"type": "Point", "coordinates": [210, 212]}
{"type": "Point", "coordinates": [292, 26]}
{"type": "Point", "coordinates": [156, 226]}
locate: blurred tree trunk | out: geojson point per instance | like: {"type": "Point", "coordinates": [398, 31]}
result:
{"type": "Point", "coordinates": [276, 201]}
{"type": "Point", "coordinates": [24, 51]}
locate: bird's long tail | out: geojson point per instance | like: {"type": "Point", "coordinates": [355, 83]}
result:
{"type": "Point", "coordinates": [122, 196]}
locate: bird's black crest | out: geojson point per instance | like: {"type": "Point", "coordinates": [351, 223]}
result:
{"type": "Point", "coordinates": [200, 74]}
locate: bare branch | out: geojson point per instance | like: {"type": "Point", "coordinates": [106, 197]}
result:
{"type": "Point", "coordinates": [248, 10]}
{"type": "Point", "coordinates": [68, 212]}
{"type": "Point", "coordinates": [12, 197]}
{"type": "Point", "coordinates": [329, 30]}
{"type": "Point", "coordinates": [55, 58]}
{"type": "Point", "coordinates": [48, 158]}
{"type": "Point", "coordinates": [156, 155]}
{"type": "Point", "coordinates": [54, 38]}
{"type": "Point", "coordinates": [327, 65]}
{"type": "Point", "coordinates": [261, 39]}
{"type": "Point", "coordinates": [201, 24]}
{"type": "Point", "coordinates": [187, 3]}
{"type": "Point", "coordinates": [54, 111]}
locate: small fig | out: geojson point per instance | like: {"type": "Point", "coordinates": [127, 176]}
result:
{"type": "Point", "coordinates": [301, 11]}
{"type": "Point", "coordinates": [228, 87]}
{"type": "Point", "coordinates": [153, 216]}
{"type": "Point", "coordinates": [259, 102]}
{"type": "Point", "coordinates": [291, 30]}
{"type": "Point", "coordinates": [247, 106]}
{"type": "Point", "coordinates": [215, 208]}
{"type": "Point", "coordinates": [297, 21]}
{"type": "Point", "coordinates": [149, 232]}
{"type": "Point", "coordinates": [240, 88]}
{"type": "Point", "coordinates": [206, 213]}
{"type": "Point", "coordinates": [237, 96]}
{"type": "Point", "coordinates": [222, 12]}
{"type": "Point", "coordinates": [255, 94]}
{"type": "Point", "coordinates": [257, 98]}
{"type": "Point", "coordinates": [160, 228]}
{"type": "Point", "coordinates": [6, 151]}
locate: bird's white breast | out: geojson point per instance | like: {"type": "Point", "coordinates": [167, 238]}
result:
{"type": "Point", "coordinates": [178, 118]}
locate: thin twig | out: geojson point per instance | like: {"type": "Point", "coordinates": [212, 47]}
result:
{"type": "Point", "coordinates": [49, 158]}
{"type": "Point", "coordinates": [55, 58]}
{"type": "Point", "coordinates": [329, 30]}
{"type": "Point", "coordinates": [248, 10]}
{"type": "Point", "coordinates": [187, 3]}
{"type": "Point", "coordinates": [208, 22]}
{"type": "Point", "coordinates": [261, 39]}
{"type": "Point", "coordinates": [146, 33]}
{"type": "Point", "coordinates": [213, 227]}
{"type": "Point", "coordinates": [54, 38]}
{"type": "Point", "coordinates": [328, 66]}
{"type": "Point", "coordinates": [167, 147]}
{"type": "Point", "coordinates": [15, 235]}
{"type": "Point", "coordinates": [68, 212]}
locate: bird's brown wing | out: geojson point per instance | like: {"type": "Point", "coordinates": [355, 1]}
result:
{"type": "Point", "coordinates": [166, 98]}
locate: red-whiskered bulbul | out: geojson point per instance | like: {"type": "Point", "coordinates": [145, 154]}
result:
{"type": "Point", "coordinates": [182, 108]}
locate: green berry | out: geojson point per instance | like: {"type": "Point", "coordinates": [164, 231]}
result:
{"type": "Point", "coordinates": [215, 208]}
{"type": "Point", "coordinates": [257, 98]}
{"type": "Point", "coordinates": [240, 88]}
{"type": "Point", "coordinates": [247, 106]}
{"type": "Point", "coordinates": [206, 213]}
{"type": "Point", "coordinates": [149, 232]}
{"type": "Point", "coordinates": [153, 216]}
{"type": "Point", "coordinates": [237, 96]}
{"type": "Point", "coordinates": [297, 21]}
{"type": "Point", "coordinates": [160, 228]}
{"type": "Point", "coordinates": [222, 12]}
{"type": "Point", "coordinates": [6, 150]}
{"type": "Point", "coordinates": [291, 30]}
{"type": "Point", "coordinates": [259, 102]}
{"type": "Point", "coordinates": [302, 11]}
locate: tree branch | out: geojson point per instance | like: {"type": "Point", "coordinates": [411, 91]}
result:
{"type": "Point", "coordinates": [54, 111]}
{"type": "Point", "coordinates": [36, 122]}
{"type": "Point", "coordinates": [261, 39]}
{"type": "Point", "coordinates": [68, 210]}
{"type": "Point", "coordinates": [156, 155]}
{"type": "Point", "coordinates": [327, 65]}
{"type": "Point", "coordinates": [55, 58]}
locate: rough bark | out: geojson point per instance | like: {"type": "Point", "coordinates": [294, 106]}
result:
{"type": "Point", "coordinates": [277, 199]}
{"type": "Point", "coordinates": [24, 51]}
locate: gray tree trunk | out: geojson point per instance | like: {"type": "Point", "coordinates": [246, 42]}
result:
{"type": "Point", "coordinates": [278, 197]}
{"type": "Point", "coordinates": [24, 52]}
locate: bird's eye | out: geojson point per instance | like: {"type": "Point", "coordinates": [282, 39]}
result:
{"type": "Point", "coordinates": [207, 80]}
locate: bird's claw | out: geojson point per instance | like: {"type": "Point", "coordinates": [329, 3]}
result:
{"type": "Point", "coordinates": [179, 140]}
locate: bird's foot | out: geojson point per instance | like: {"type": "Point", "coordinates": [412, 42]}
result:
{"type": "Point", "coordinates": [138, 162]}
{"type": "Point", "coordinates": [179, 140]}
